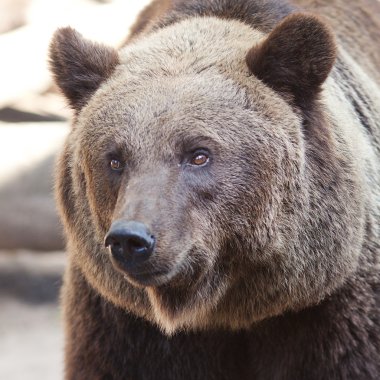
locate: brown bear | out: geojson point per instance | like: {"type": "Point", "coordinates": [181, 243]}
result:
{"type": "Point", "coordinates": [220, 191]}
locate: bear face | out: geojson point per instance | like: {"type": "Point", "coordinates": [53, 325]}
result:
{"type": "Point", "coordinates": [228, 161]}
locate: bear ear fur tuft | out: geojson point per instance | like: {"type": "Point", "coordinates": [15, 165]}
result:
{"type": "Point", "coordinates": [79, 66]}
{"type": "Point", "coordinates": [296, 58]}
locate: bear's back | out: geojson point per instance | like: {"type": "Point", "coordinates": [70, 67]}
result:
{"type": "Point", "coordinates": [355, 23]}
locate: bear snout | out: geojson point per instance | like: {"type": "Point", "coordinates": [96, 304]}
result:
{"type": "Point", "coordinates": [131, 245]}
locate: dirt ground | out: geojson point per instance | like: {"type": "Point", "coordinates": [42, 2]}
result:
{"type": "Point", "coordinates": [31, 343]}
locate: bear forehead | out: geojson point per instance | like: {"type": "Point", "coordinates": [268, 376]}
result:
{"type": "Point", "coordinates": [167, 109]}
{"type": "Point", "coordinates": [191, 46]}
{"type": "Point", "coordinates": [183, 108]}
{"type": "Point", "coordinates": [187, 80]}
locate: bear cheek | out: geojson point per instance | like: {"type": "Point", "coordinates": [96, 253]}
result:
{"type": "Point", "coordinates": [102, 194]}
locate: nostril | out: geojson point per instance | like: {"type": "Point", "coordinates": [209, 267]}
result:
{"type": "Point", "coordinates": [137, 244]}
{"type": "Point", "coordinates": [113, 245]}
{"type": "Point", "coordinates": [108, 241]}
{"type": "Point", "coordinates": [116, 245]}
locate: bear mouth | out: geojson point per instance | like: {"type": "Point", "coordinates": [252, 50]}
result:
{"type": "Point", "coordinates": [143, 275]}
{"type": "Point", "coordinates": [148, 279]}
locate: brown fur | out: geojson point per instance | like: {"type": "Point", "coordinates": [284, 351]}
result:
{"type": "Point", "coordinates": [80, 66]}
{"type": "Point", "coordinates": [273, 60]}
{"type": "Point", "coordinates": [262, 14]}
{"type": "Point", "coordinates": [148, 17]}
{"type": "Point", "coordinates": [271, 252]}
{"type": "Point", "coordinates": [356, 25]}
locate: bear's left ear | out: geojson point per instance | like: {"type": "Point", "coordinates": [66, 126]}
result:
{"type": "Point", "coordinates": [296, 58]}
{"type": "Point", "coordinates": [79, 66]}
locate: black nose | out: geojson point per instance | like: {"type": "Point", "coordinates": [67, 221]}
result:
{"type": "Point", "coordinates": [129, 242]}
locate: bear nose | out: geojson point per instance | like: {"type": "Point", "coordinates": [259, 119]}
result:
{"type": "Point", "coordinates": [130, 241]}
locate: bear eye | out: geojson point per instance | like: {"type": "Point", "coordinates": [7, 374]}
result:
{"type": "Point", "coordinates": [200, 159]}
{"type": "Point", "coordinates": [116, 165]}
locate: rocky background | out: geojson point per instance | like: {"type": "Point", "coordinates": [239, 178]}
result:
{"type": "Point", "coordinates": [33, 125]}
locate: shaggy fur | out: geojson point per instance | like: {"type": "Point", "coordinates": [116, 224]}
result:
{"type": "Point", "coordinates": [80, 66]}
{"type": "Point", "coordinates": [268, 256]}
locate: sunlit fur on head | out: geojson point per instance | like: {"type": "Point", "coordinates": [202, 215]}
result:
{"type": "Point", "coordinates": [278, 224]}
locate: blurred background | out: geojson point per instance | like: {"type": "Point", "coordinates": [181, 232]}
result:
{"type": "Point", "coordinates": [33, 125]}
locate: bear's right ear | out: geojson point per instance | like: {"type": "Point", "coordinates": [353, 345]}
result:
{"type": "Point", "coordinates": [79, 66]}
{"type": "Point", "coordinates": [296, 58]}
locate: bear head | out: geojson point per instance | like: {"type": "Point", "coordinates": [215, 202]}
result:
{"type": "Point", "coordinates": [201, 184]}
